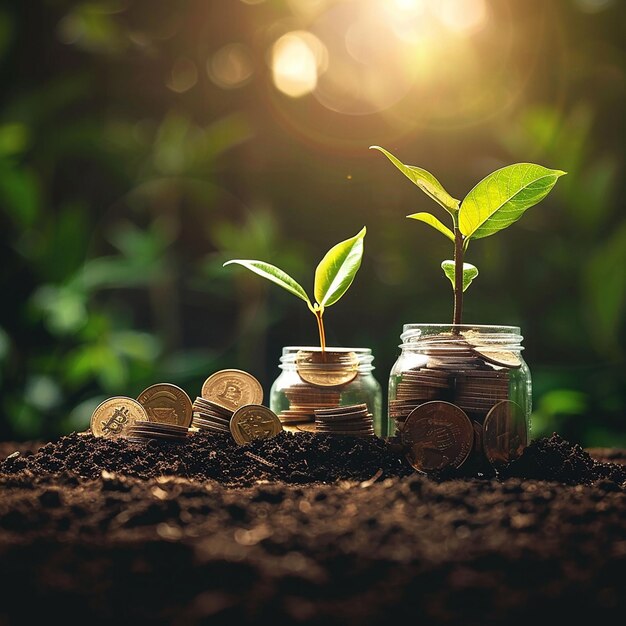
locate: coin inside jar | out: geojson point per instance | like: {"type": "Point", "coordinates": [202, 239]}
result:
{"type": "Point", "coordinates": [437, 435]}
{"type": "Point", "coordinates": [330, 368]}
{"type": "Point", "coordinates": [502, 358]}
{"type": "Point", "coordinates": [167, 404]}
{"type": "Point", "coordinates": [113, 417]}
{"type": "Point", "coordinates": [232, 389]}
{"type": "Point", "coordinates": [505, 433]}
{"type": "Point", "coordinates": [254, 422]}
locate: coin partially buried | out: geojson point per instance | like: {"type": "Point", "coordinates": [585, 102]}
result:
{"type": "Point", "coordinates": [113, 417]}
{"type": "Point", "coordinates": [232, 389]}
{"type": "Point", "coordinates": [505, 433]}
{"type": "Point", "coordinates": [167, 404]}
{"type": "Point", "coordinates": [254, 421]}
{"type": "Point", "coordinates": [437, 434]}
{"type": "Point", "coordinates": [330, 368]}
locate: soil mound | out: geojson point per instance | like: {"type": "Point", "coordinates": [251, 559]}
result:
{"type": "Point", "coordinates": [295, 459]}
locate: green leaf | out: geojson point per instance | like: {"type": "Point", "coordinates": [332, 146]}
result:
{"type": "Point", "coordinates": [469, 273]}
{"type": "Point", "coordinates": [337, 269]}
{"type": "Point", "coordinates": [501, 198]}
{"type": "Point", "coordinates": [425, 181]}
{"type": "Point", "coordinates": [275, 275]}
{"type": "Point", "coordinates": [431, 220]}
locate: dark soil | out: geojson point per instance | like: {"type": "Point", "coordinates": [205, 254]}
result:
{"type": "Point", "coordinates": [101, 532]}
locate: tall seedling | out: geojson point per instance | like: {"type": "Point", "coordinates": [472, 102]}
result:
{"type": "Point", "coordinates": [494, 203]}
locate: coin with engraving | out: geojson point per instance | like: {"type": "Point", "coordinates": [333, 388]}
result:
{"type": "Point", "coordinates": [167, 404]}
{"type": "Point", "coordinates": [437, 434]}
{"type": "Point", "coordinates": [113, 417]}
{"type": "Point", "coordinates": [254, 421]}
{"type": "Point", "coordinates": [331, 368]}
{"type": "Point", "coordinates": [505, 433]}
{"type": "Point", "coordinates": [232, 389]}
{"type": "Point", "coordinates": [503, 358]}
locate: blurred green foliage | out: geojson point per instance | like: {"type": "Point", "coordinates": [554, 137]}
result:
{"type": "Point", "coordinates": [122, 191]}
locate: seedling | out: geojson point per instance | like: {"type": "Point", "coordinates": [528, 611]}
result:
{"type": "Point", "coordinates": [496, 202]}
{"type": "Point", "coordinates": [333, 277]}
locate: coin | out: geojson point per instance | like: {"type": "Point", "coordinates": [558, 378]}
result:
{"type": "Point", "coordinates": [355, 420]}
{"type": "Point", "coordinates": [328, 368]}
{"type": "Point", "coordinates": [166, 404]}
{"type": "Point", "coordinates": [505, 433]}
{"type": "Point", "coordinates": [254, 421]}
{"type": "Point", "coordinates": [232, 389]}
{"type": "Point", "coordinates": [437, 434]}
{"type": "Point", "coordinates": [113, 417]}
{"type": "Point", "coordinates": [503, 358]}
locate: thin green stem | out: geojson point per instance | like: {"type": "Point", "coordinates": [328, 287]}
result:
{"type": "Point", "coordinates": [458, 276]}
{"type": "Point", "coordinates": [320, 328]}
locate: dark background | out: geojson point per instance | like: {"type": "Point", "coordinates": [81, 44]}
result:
{"type": "Point", "coordinates": [145, 142]}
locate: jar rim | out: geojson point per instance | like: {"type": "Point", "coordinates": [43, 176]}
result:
{"type": "Point", "coordinates": [483, 327]}
{"type": "Point", "coordinates": [295, 349]}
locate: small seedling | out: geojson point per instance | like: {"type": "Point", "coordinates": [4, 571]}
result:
{"type": "Point", "coordinates": [496, 202]}
{"type": "Point", "coordinates": [333, 277]}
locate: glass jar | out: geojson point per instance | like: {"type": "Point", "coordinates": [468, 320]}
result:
{"type": "Point", "coordinates": [480, 370]}
{"type": "Point", "coordinates": [312, 379]}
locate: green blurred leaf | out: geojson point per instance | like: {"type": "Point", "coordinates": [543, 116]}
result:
{"type": "Point", "coordinates": [275, 275]}
{"type": "Point", "coordinates": [14, 138]}
{"type": "Point", "coordinates": [19, 195]}
{"type": "Point", "coordinates": [63, 309]}
{"type": "Point", "coordinates": [336, 271]}
{"type": "Point", "coordinates": [5, 344]}
{"type": "Point", "coordinates": [135, 345]}
{"type": "Point", "coordinates": [469, 273]}
{"type": "Point", "coordinates": [431, 220]}
{"type": "Point", "coordinates": [425, 181]}
{"type": "Point", "coordinates": [501, 198]}
{"type": "Point", "coordinates": [604, 285]}
{"type": "Point", "coordinates": [43, 392]}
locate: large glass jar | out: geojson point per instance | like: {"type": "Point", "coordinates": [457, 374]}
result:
{"type": "Point", "coordinates": [312, 379]}
{"type": "Point", "coordinates": [477, 369]}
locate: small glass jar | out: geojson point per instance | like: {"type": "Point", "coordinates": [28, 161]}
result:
{"type": "Point", "coordinates": [311, 379]}
{"type": "Point", "coordinates": [479, 369]}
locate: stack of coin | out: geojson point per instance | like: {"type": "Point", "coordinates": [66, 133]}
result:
{"type": "Point", "coordinates": [208, 415]}
{"type": "Point", "coordinates": [145, 429]}
{"type": "Point", "coordinates": [331, 368]}
{"type": "Point", "coordinates": [456, 369]}
{"type": "Point", "coordinates": [304, 399]}
{"type": "Point", "coordinates": [477, 391]}
{"type": "Point", "coordinates": [354, 420]}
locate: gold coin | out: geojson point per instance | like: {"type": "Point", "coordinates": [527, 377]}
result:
{"type": "Point", "coordinates": [503, 358]}
{"type": "Point", "coordinates": [167, 404]}
{"type": "Point", "coordinates": [505, 433]}
{"type": "Point", "coordinates": [232, 388]}
{"type": "Point", "coordinates": [437, 434]}
{"type": "Point", "coordinates": [114, 416]}
{"type": "Point", "coordinates": [328, 368]}
{"type": "Point", "coordinates": [254, 421]}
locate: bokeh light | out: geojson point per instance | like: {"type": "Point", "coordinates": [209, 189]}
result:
{"type": "Point", "coordinates": [231, 66]}
{"type": "Point", "coordinates": [297, 60]}
{"type": "Point", "coordinates": [184, 75]}
{"type": "Point", "coordinates": [462, 16]}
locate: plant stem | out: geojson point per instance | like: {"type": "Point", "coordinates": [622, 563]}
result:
{"type": "Point", "coordinates": [458, 276]}
{"type": "Point", "coordinates": [320, 327]}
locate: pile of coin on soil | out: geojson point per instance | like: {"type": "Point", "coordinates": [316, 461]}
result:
{"type": "Point", "coordinates": [231, 401]}
{"type": "Point", "coordinates": [455, 408]}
